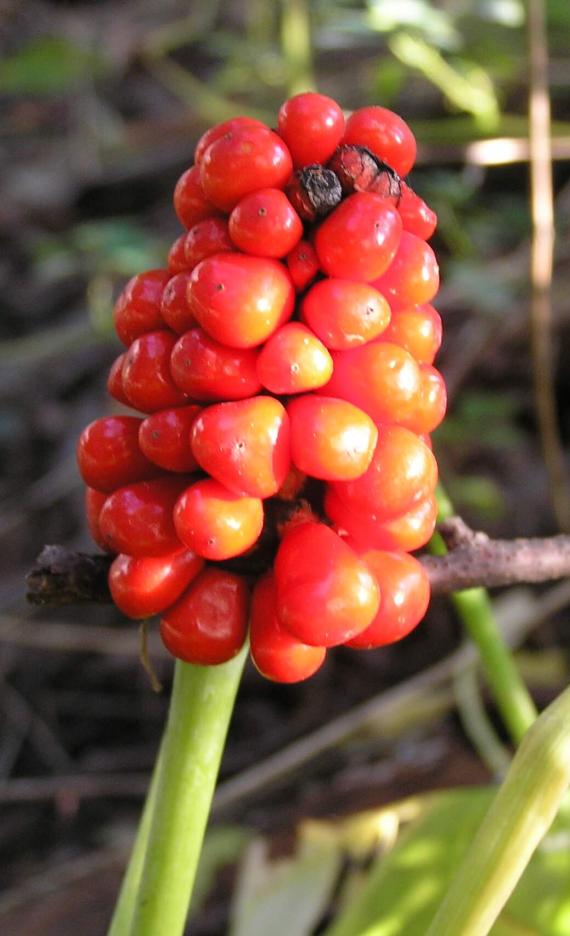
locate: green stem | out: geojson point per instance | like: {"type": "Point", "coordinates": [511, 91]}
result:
{"type": "Point", "coordinates": [125, 906]}
{"type": "Point", "coordinates": [518, 818]}
{"type": "Point", "coordinates": [296, 45]}
{"type": "Point", "coordinates": [475, 610]}
{"type": "Point", "coordinates": [200, 711]}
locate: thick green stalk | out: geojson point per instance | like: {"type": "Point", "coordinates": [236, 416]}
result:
{"type": "Point", "coordinates": [518, 818]}
{"type": "Point", "coordinates": [200, 711]}
{"type": "Point", "coordinates": [125, 906]}
{"type": "Point", "coordinates": [475, 610]}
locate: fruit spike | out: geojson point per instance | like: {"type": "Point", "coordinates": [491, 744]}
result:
{"type": "Point", "coordinates": [281, 362]}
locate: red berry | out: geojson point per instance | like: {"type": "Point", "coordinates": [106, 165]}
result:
{"type": "Point", "coordinates": [312, 126]}
{"type": "Point", "coordinates": [215, 523]}
{"type": "Point", "coordinates": [345, 314]}
{"type": "Point", "coordinates": [145, 585]}
{"type": "Point", "coordinates": [241, 161]}
{"type": "Point", "coordinates": [207, 370]}
{"type": "Point", "coordinates": [137, 310]}
{"type": "Point", "coordinates": [244, 445]}
{"type": "Point", "coordinates": [432, 402]}
{"type": "Point", "coordinates": [330, 439]}
{"type": "Point", "coordinates": [220, 130]}
{"type": "Point", "coordinates": [418, 330]}
{"type": "Point", "coordinates": [381, 378]}
{"type": "Point", "coordinates": [174, 305]}
{"type": "Point", "coordinates": [405, 591]}
{"type": "Point", "coordinates": [407, 532]}
{"type": "Point", "coordinates": [265, 224]}
{"type": "Point", "coordinates": [359, 240]}
{"type": "Point", "coordinates": [147, 381]}
{"type": "Point", "coordinates": [303, 265]}
{"type": "Point", "coordinates": [275, 652]}
{"type": "Point", "coordinates": [109, 456]}
{"type": "Point", "coordinates": [210, 236]}
{"type": "Point", "coordinates": [190, 203]}
{"type": "Point", "coordinates": [241, 300]}
{"type": "Point", "coordinates": [417, 217]}
{"type": "Point", "coordinates": [177, 262]}
{"type": "Point", "coordinates": [208, 624]}
{"type": "Point", "coordinates": [402, 472]}
{"type": "Point", "coordinates": [293, 360]}
{"type": "Point", "coordinates": [325, 593]}
{"type": "Point", "coordinates": [137, 519]}
{"type": "Point", "coordinates": [413, 276]}
{"type": "Point", "coordinates": [164, 437]}
{"type": "Point", "coordinates": [115, 380]}
{"type": "Point", "coordinates": [385, 134]}
{"type": "Point", "coordinates": [94, 501]}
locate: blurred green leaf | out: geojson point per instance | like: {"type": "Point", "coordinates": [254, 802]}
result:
{"type": "Point", "coordinates": [404, 888]}
{"type": "Point", "coordinates": [286, 896]}
{"type": "Point", "coordinates": [50, 65]}
{"type": "Point", "coordinates": [222, 846]}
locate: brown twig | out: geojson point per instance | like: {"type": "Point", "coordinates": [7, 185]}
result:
{"type": "Point", "coordinates": [63, 577]}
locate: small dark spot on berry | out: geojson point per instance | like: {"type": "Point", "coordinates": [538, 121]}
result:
{"type": "Point", "coordinates": [155, 434]}
{"type": "Point", "coordinates": [240, 445]}
{"type": "Point", "coordinates": [369, 310]}
{"type": "Point", "coordinates": [262, 212]}
{"type": "Point", "coordinates": [220, 287]}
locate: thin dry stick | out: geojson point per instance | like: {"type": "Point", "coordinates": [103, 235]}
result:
{"type": "Point", "coordinates": [541, 261]}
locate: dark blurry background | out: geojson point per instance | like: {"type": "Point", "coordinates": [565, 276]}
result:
{"type": "Point", "coordinates": [102, 104]}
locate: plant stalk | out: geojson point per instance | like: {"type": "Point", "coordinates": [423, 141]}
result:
{"type": "Point", "coordinates": [475, 610]}
{"type": "Point", "coordinates": [200, 711]}
{"type": "Point", "coordinates": [518, 818]}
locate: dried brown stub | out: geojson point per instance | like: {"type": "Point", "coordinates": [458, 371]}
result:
{"type": "Point", "coordinates": [359, 170]}
{"type": "Point", "coordinates": [314, 191]}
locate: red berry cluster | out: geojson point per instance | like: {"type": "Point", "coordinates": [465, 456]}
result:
{"type": "Point", "coordinates": [284, 363]}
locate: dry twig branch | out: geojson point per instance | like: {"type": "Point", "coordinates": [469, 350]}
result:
{"type": "Point", "coordinates": [62, 577]}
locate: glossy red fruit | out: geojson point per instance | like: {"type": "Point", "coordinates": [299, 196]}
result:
{"type": "Point", "coordinates": [432, 403]}
{"type": "Point", "coordinates": [265, 224]}
{"type": "Point", "coordinates": [293, 360]}
{"type": "Point", "coordinates": [244, 445]}
{"type": "Point", "coordinates": [330, 439]}
{"type": "Point", "coordinates": [345, 314]}
{"type": "Point", "coordinates": [381, 378]}
{"type": "Point", "coordinates": [413, 276]}
{"type": "Point", "coordinates": [109, 455]}
{"type": "Point", "coordinates": [325, 593]}
{"type": "Point", "coordinates": [242, 161]}
{"type": "Point", "coordinates": [145, 585]}
{"type": "Point", "coordinates": [207, 237]}
{"type": "Point", "coordinates": [303, 265]}
{"type": "Point", "coordinates": [215, 523]}
{"type": "Point", "coordinates": [221, 129]}
{"type": "Point", "coordinates": [405, 591]}
{"type": "Point", "coordinates": [177, 262]}
{"type": "Point", "coordinates": [137, 519]}
{"type": "Point", "coordinates": [147, 381]}
{"type": "Point", "coordinates": [208, 624]}
{"type": "Point", "coordinates": [417, 329]}
{"type": "Point", "coordinates": [94, 501]}
{"type": "Point", "coordinates": [407, 532]}
{"type": "Point", "coordinates": [241, 300]}
{"type": "Point", "coordinates": [164, 437]}
{"type": "Point", "coordinates": [115, 380]}
{"type": "Point", "coordinates": [312, 126]}
{"type": "Point", "coordinates": [174, 304]}
{"type": "Point", "coordinates": [417, 217]}
{"type": "Point", "coordinates": [137, 310]}
{"type": "Point", "coordinates": [275, 652]}
{"type": "Point", "coordinates": [190, 203]}
{"type": "Point", "coordinates": [385, 134]}
{"type": "Point", "coordinates": [402, 472]}
{"type": "Point", "coordinates": [210, 371]}
{"type": "Point", "coordinates": [359, 239]}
